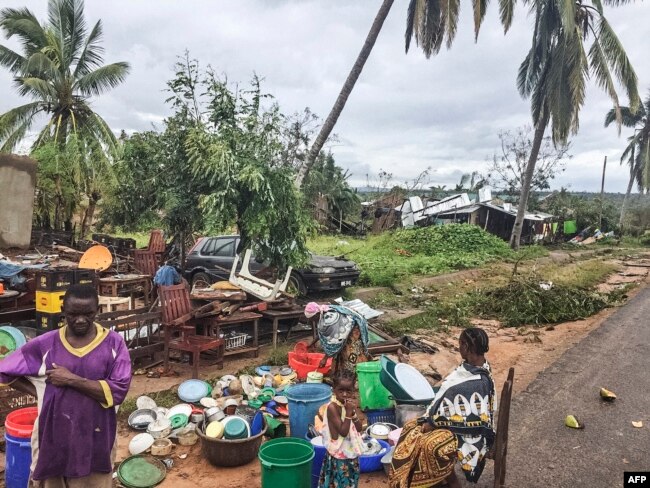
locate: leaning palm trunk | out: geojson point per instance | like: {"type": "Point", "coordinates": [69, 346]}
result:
{"type": "Point", "coordinates": [625, 200]}
{"type": "Point", "coordinates": [333, 116]}
{"type": "Point", "coordinates": [89, 214]}
{"type": "Point", "coordinates": [515, 238]}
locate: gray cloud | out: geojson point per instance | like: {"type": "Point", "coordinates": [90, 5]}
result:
{"type": "Point", "coordinates": [406, 113]}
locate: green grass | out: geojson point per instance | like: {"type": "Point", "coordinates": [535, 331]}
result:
{"type": "Point", "coordinates": [392, 257]}
{"type": "Point", "coordinates": [583, 275]}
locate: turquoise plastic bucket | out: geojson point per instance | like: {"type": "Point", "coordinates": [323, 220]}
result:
{"type": "Point", "coordinates": [304, 401]}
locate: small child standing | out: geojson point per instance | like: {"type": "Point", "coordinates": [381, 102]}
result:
{"type": "Point", "coordinates": [341, 437]}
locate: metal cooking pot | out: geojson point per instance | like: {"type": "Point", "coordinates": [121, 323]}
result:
{"type": "Point", "coordinates": [197, 417]}
{"type": "Point", "coordinates": [213, 413]}
{"type": "Point", "coordinates": [404, 413]}
{"type": "Point", "coordinates": [380, 430]}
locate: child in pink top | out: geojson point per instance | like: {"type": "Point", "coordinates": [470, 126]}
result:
{"type": "Point", "coordinates": [341, 437]}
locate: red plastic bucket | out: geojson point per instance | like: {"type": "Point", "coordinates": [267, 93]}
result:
{"type": "Point", "coordinates": [20, 423]}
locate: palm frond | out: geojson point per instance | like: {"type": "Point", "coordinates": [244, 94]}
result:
{"type": "Point", "coordinates": [17, 135]}
{"type": "Point", "coordinates": [17, 116]}
{"type": "Point", "coordinates": [76, 30]}
{"type": "Point", "coordinates": [628, 118]}
{"type": "Point", "coordinates": [453, 14]}
{"type": "Point", "coordinates": [506, 13]}
{"type": "Point", "coordinates": [11, 59]}
{"type": "Point", "coordinates": [480, 8]}
{"type": "Point", "coordinates": [37, 88]}
{"type": "Point", "coordinates": [604, 79]}
{"type": "Point", "coordinates": [39, 65]}
{"type": "Point", "coordinates": [615, 55]}
{"type": "Point", "coordinates": [92, 54]}
{"type": "Point", "coordinates": [23, 24]}
{"type": "Point", "coordinates": [616, 3]}
{"type": "Point", "coordinates": [567, 11]}
{"type": "Point", "coordinates": [102, 79]}
{"type": "Point", "coordinates": [410, 25]}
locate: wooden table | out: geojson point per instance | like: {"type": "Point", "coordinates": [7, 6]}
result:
{"type": "Point", "coordinates": [214, 325]}
{"type": "Point", "coordinates": [275, 316]}
{"type": "Point", "coordinates": [9, 298]}
{"type": "Point", "coordinates": [112, 285]}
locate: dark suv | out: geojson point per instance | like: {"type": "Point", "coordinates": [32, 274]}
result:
{"type": "Point", "coordinates": [211, 259]}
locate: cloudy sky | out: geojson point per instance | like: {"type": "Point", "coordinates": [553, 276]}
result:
{"type": "Point", "coordinates": [405, 114]}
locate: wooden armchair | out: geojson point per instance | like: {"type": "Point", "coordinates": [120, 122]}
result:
{"type": "Point", "coordinates": [178, 320]}
{"type": "Point", "coordinates": [500, 449]}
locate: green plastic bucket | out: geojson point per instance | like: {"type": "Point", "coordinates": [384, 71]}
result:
{"type": "Point", "coordinates": [372, 394]}
{"type": "Point", "coordinates": [286, 463]}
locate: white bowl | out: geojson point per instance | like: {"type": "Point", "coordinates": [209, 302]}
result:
{"type": "Point", "coordinates": [208, 402]}
{"type": "Point", "coordinates": [159, 428]}
{"type": "Point", "coordinates": [140, 443]}
{"type": "Point", "coordinates": [413, 382]}
{"type": "Point", "coordinates": [183, 408]}
{"type": "Point", "coordinates": [145, 402]}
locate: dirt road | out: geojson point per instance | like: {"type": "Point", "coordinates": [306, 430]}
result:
{"type": "Point", "coordinates": [543, 452]}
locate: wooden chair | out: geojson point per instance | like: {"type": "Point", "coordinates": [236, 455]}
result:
{"type": "Point", "coordinates": [145, 262]}
{"type": "Point", "coordinates": [178, 318]}
{"type": "Point", "coordinates": [500, 449]}
{"type": "Point", "coordinates": [156, 241]}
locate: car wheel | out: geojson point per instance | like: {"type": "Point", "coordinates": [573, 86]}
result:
{"type": "Point", "coordinates": [296, 285]}
{"type": "Point", "coordinates": [201, 280]}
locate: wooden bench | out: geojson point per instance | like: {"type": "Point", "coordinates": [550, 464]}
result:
{"type": "Point", "coordinates": [136, 321]}
{"type": "Point", "coordinates": [500, 449]}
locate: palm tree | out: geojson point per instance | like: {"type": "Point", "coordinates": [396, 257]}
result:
{"type": "Point", "coordinates": [471, 182]}
{"type": "Point", "coordinates": [341, 100]}
{"type": "Point", "coordinates": [637, 151]}
{"type": "Point", "coordinates": [555, 71]}
{"type": "Point", "coordinates": [60, 69]}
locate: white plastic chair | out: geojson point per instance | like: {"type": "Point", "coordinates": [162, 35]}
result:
{"type": "Point", "coordinates": [256, 286]}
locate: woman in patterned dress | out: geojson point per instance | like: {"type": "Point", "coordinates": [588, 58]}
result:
{"type": "Point", "coordinates": [458, 424]}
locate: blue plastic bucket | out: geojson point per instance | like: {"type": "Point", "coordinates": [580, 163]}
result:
{"type": "Point", "coordinates": [304, 401]}
{"type": "Point", "coordinates": [317, 463]}
{"type": "Point", "coordinates": [18, 458]}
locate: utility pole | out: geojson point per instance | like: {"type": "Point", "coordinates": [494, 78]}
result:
{"type": "Point", "coordinates": [602, 195]}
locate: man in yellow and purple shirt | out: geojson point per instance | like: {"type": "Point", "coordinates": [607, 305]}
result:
{"type": "Point", "coordinates": [79, 373]}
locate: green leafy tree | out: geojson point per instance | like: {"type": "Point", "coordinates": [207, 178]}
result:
{"type": "Point", "coordinates": [330, 181]}
{"type": "Point", "coordinates": [218, 165]}
{"type": "Point", "coordinates": [236, 149]}
{"type": "Point", "coordinates": [571, 42]}
{"type": "Point", "coordinates": [136, 195]}
{"type": "Point", "coordinates": [60, 69]}
{"type": "Point", "coordinates": [637, 152]}
{"type": "Point", "coordinates": [56, 196]}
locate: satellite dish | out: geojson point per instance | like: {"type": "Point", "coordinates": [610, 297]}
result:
{"type": "Point", "coordinates": [98, 258]}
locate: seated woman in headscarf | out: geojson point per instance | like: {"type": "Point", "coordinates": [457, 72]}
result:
{"type": "Point", "coordinates": [458, 425]}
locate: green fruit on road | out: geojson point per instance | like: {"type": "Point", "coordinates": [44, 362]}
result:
{"type": "Point", "coordinates": [573, 422]}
